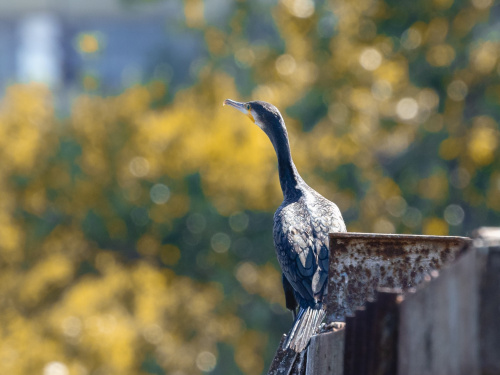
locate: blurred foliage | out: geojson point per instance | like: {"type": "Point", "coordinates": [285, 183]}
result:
{"type": "Point", "coordinates": [136, 233]}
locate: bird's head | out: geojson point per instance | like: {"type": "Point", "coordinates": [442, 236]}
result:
{"type": "Point", "coordinates": [266, 116]}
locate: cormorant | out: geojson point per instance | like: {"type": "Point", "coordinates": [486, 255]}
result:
{"type": "Point", "coordinates": [301, 227]}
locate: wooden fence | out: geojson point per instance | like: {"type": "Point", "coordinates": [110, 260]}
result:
{"type": "Point", "coordinates": [412, 305]}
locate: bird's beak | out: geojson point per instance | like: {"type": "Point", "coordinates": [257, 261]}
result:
{"type": "Point", "coordinates": [242, 107]}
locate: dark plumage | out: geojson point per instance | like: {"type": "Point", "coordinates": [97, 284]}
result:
{"type": "Point", "coordinates": [301, 227]}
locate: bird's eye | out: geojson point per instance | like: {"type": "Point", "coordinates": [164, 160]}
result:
{"type": "Point", "coordinates": [248, 107]}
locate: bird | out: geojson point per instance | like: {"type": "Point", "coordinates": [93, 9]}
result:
{"type": "Point", "coordinates": [300, 230]}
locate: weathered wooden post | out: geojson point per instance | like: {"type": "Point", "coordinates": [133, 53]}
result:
{"type": "Point", "coordinates": [328, 349]}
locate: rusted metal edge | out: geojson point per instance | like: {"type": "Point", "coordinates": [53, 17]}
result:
{"type": "Point", "coordinates": [360, 263]}
{"type": "Point", "coordinates": [396, 236]}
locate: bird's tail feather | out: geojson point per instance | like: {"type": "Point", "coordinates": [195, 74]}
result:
{"type": "Point", "coordinates": [305, 325]}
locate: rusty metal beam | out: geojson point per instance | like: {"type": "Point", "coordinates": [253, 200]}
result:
{"type": "Point", "coordinates": [361, 262]}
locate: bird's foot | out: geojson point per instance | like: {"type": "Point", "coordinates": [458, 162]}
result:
{"type": "Point", "coordinates": [333, 326]}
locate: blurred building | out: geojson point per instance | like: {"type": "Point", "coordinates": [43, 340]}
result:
{"type": "Point", "coordinates": [95, 45]}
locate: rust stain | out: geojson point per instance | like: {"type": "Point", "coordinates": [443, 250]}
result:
{"type": "Point", "coordinates": [360, 263]}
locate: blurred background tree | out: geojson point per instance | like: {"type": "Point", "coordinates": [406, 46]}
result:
{"type": "Point", "coordinates": [136, 212]}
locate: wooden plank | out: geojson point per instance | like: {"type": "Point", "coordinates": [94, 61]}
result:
{"type": "Point", "coordinates": [382, 358]}
{"type": "Point", "coordinates": [299, 365]}
{"type": "Point", "coordinates": [360, 341]}
{"type": "Point", "coordinates": [371, 336]}
{"type": "Point", "coordinates": [489, 315]}
{"type": "Point", "coordinates": [371, 308]}
{"type": "Point", "coordinates": [325, 354]}
{"type": "Point", "coordinates": [349, 345]}
{"type": "Point", "coordinates": [438, 332]}
{"type": "Point", "coordinates": [283, 360]}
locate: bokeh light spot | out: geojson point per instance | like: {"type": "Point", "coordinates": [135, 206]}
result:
{"type": "Point", "coordinates": [88, 43]}
{"type": "Point", "coordinates": [160, 194]}
{"type": "Point", "coordinates": [300, 8]}
{"type": "Point", "coordinates": [238, 221]}
{"type": "Point", "coordinates": [307, 72]}
{"type": "Point", "coordinates": [435, 226]}
{"type": "Point", "coordinates": [247, 274]}
{"type": "Point", "coordinates": [338, 113]}
{"type": "Point", "coordinates": [245, 57]}
{"type": "Point", "coordinates": [370, 59]}
{"type": "Point", "coordinates": [454, 214]}
{"type": "Point", "coordinates": [170, 254]}
{"type": "Point", "coordinates": [396, 206]}
{"type": "Point", "coordinates": [428, 98]}
{"type": "Point", "coordinates": [412, 217]}
{"type": "Point", "coordinates": [285, 65]}
{"type": "Point", "coordinates": [411, 39]}
{"type": "Point", "coordinates": [206, 361]}
{"type": "Point", "coordinates": [55, 368]}
{"type": "Point", "coordinates": [457, 90]}
{"type": "Point", "coordinates": [381, 90]}
{"type": "Point", "coordinates": [440, 55]}
{"type": "Point", "coordinates": [139, 166]}
{"type": "Point", "coordinates": [72, 326]}
{"type": "Point", "coordinates": [483, 140]}
{"type": "Point", "coordinates": [220, 242]}
{"type": "Point", "coordinates": [407, 108]}
{"type": "Point", "coordinates": [482, 4]}
{"type": "Point", "coordinates": [382, 225]}
{"type": "Point", "coordinates": [153, 334]}
{"type": "Point", "coordinates": [484, 58]}
{"type": "Point", "coordinates": [326, 26]}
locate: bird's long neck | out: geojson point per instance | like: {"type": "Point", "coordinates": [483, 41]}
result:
{"type": "Point", "coordinates": [290, 179]}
